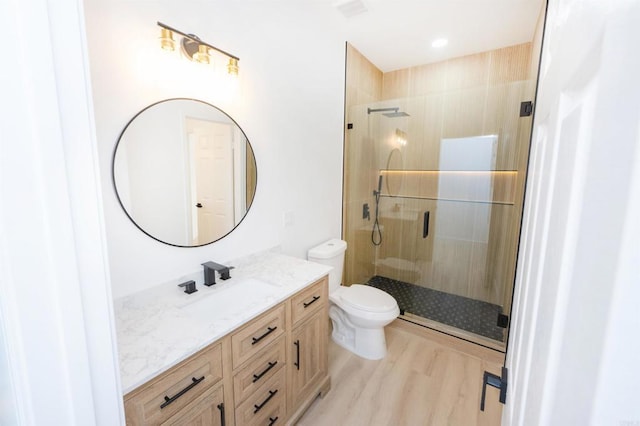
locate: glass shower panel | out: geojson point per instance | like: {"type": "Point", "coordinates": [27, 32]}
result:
{"type": "Point", "coordinates": [433, 198]}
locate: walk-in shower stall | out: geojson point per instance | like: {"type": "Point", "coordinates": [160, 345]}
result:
{"type": "Point", "coordinates": [435, 165]}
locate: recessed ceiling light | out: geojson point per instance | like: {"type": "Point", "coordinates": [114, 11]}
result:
{"type": "Point", "coordinates": [439, 42]}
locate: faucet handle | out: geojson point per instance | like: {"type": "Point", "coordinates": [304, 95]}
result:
{"type": "Point", "coordinates": [190, 286]}
{"type": "Point", "coordinates": [224, 272]}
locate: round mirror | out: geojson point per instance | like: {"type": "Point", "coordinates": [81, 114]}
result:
{"type": "Point", "coordinates": [184, 172]}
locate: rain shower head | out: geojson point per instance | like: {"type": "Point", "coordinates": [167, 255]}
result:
{"type": "Point", "coordinates": [396, 114]}
{"type": "Point", "coordinates": [389, 112]}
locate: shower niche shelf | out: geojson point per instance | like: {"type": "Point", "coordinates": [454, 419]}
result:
{"type": "Point", "coordinates": [466, 186]}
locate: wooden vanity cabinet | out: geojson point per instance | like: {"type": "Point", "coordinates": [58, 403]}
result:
{"type": "Point", "coordinates": [266, 372]}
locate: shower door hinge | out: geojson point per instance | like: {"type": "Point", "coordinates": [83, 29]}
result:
{"type": "Point", "coordinates": [526, 108]}
{"type": "Point", "coordinates": [497, 382]}
{"type": "Point", "coordinates": [349, 126]}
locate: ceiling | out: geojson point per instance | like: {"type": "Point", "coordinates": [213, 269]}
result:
{"type": "Point", "coordinates": [395, 34]}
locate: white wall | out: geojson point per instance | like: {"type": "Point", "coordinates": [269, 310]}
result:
{"type": "Point", "coordinates": [288, 100]}
{"type": "Point", "coordinates": [574, 346]}
{"type": "Point", "coordinates": [54, 282]}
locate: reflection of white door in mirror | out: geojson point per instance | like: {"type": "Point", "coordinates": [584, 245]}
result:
{"type": "Point", "coordinates": [211, 157]}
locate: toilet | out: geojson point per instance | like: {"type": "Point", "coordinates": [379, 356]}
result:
{"type": "Point", "coordinates": [359, 313]}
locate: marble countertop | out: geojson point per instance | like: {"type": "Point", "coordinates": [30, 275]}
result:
{"type": "Point", "coordinates": [156, 328]}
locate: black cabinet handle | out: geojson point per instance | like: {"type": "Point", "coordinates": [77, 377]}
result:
{"type": "Point", "coordinates": [222, 417]}
{"type": "Point", "coordinates": [257, 339]}
{"type": "Point", "coordinates": [257, 377]}
{"type": "Point", "coordinates": [272, 421]}
{"type": "Point", "coordinates": [259, 407]}
{"type": "Point", "coordinates": [315, 299]}
{"type": "Point", "coordinates": [168, 400]}
{"type": "Point", "coordinates": [199, 205]}
{"type": "Point", "coordinates": [297, 363]}
{"type": "Point", "coordinates": [425, 225]}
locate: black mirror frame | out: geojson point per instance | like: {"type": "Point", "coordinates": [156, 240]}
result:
{"type": "Point", "coordinates": [113, 177]}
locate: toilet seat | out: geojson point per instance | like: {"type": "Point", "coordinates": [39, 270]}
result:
{"type": "Point", "coordinates": [369, 299]}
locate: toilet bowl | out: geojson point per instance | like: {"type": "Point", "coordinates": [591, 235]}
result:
{"type": "Point", "coordinates": [358, 313]}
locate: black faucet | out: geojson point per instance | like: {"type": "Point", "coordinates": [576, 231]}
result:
{"type": "Point", "coordinates": [189, 286]}
{"type": "Point", "coordinates": [210, 269]}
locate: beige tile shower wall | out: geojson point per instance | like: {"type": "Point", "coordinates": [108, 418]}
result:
{"type": "Point", "coordinates": [480, 70]}
{"type": "Point", "coordinates": [469, 96]}
{"type": "Point", "coordinates": [363, 87]}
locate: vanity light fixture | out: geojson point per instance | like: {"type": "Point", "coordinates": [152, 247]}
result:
{"type": "Point", "coordinates": [194, 48]}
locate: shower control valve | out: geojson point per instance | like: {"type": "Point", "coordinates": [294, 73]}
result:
{"type": "Point", "coordinates": [365, 211]}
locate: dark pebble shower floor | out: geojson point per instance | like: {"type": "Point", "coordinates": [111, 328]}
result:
{"type": "Point", "coordinates": [464, 313]}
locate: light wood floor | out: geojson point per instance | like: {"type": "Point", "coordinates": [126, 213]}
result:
{"type": "Point", "coordinates": [427, 378]}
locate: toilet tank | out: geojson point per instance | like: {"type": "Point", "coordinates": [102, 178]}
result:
{"type": "Point", "coordinates": [330, 253]}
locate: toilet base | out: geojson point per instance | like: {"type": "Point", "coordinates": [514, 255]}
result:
{"type": "Point", "coordinates": [368, 343]}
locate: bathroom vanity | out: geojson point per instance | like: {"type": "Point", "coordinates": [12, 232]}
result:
{"type": "Point", "coordinates": [251, 350]}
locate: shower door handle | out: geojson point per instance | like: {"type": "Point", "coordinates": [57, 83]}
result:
{"type": "Point", "coordinates": [425, 225]}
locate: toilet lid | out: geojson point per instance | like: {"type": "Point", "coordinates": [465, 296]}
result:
{"type": "Point", "coordinates": [368, 298]}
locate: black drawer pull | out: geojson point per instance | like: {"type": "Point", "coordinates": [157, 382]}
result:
{"type": "Point", "coordinates": [315, 298]}
{"type": "Point", "coordinates": [222, 417]}
{"type": "Point", "coordinates": [168, 400]}
{"type": "Point", "coordinates": [257, 339]}
{"type": "Point", "coordinates": [297, 363]}
{"type": "Point", "coordinates": [259, 407]}
{"type": "Point", "coordinates": [272, 421]}
{"type": "Point", "coordinates": [257, 377]}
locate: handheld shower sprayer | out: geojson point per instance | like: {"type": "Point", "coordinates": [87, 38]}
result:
{"type": "Point", "coordinates": [376, 232]}
{"type": "Point", "coordinates": [377, 193]}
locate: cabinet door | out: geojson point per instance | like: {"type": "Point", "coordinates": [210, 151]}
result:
{"type": "Point", "coordinates": [308, 357]}
{"type": "Point", "coordinates": [208, 410]}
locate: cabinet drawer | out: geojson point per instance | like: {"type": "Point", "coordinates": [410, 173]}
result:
{"type": "Point", "coordinates": [259, 370]}
{"type": "Point", "coordinates": [208, 410]}
{"type": "Point", "coordinates": [308, 301]}
{"type": "Point", "coordinates": [257, 335]}
{"type": "Point", "coordinates": [157, 401]}
{"type": "Point", "coordinates": [267, 406]}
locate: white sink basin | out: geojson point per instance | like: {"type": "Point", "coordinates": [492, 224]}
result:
{"type": "Point", "coordinates": [231, 300]}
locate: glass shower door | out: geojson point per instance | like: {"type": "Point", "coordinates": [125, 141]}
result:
{"type": "Point", "coordinates": [433, 200]}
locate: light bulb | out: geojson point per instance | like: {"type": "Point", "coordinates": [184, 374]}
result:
{"type": "Point", "coordinates": [166, 39]}
{"type": "Point", "coordinates": [202, 55]}
{"type": "Point", "coordinates": [232, 67]}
